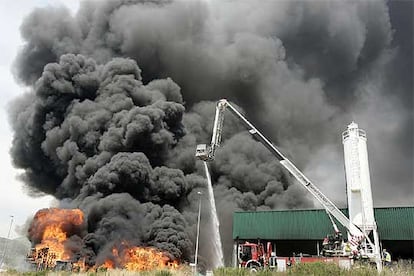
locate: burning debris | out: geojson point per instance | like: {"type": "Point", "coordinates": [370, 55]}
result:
{"type": "Point", "coordinates": [135, 258]}
{"type": "Point", "coordinates": [52, 231]}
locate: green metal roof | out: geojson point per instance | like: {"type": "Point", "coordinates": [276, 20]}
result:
{"type": "Point", "coordinates": [396, 223]}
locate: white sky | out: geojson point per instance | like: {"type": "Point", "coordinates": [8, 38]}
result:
{"type": "Point", "coordinates": [13, 200]}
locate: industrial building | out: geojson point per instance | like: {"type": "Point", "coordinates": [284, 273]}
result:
{"type": "Point", "coordinates": [302, 231]}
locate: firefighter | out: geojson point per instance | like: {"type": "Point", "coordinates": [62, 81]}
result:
{"type": "Point", "coordinates": [338, 241]}
{"type": "Point", "coordinates": [347, 249]}
{"type": "Point", "coordinates": [386, 257]}
{"type": "Point", "coordinates": [289, 262]}
{"type": "Point", "coordinates": [325, 241]}
{"type": "Point", "coordinates": [325, 244]}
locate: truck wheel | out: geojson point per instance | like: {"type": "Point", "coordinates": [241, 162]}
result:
{"type": "Point", "coordinates": [253, 268]}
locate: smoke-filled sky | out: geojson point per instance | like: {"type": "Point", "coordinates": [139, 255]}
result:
{"type": "Point", "coordinates": [118, 94]}
{"type": "Point", "coordinates": [13, 198]}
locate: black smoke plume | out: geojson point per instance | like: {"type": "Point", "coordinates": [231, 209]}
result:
{"type": "Point", "coordinates": [118, 142]}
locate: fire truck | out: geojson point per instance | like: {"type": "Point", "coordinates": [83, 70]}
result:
{"type": "Point", "coordinates": [360, 242]}
{"type": "Point", "coordinates": [255, 256]}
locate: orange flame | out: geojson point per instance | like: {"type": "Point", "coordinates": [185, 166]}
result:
{"type": "Point", "coordinates": [140, 259]}
{"type": "Point", "coordinates": [53, 227]}
{"type": "Point", "coordinates": [108, 264]}
{"type": "Point", "coordinates": [53, 223]}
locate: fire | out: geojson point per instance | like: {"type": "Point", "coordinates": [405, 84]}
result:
{"type": "Point", "coordinates": [108, 264]}
{"type": "Point", "coordinates": [53, 239]}
{"type": "Point", "coordinates": [139, 259]}
{"type": "Point", "coordinates": [51, 227]}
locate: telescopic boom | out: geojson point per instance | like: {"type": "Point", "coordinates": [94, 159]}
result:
{"type": "Point", "coordinates": [207, 153]}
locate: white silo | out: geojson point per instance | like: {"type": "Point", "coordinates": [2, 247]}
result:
{"type": "Point", "coordinates": [360, 206]}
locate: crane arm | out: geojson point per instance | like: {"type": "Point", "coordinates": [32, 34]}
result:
{"type": "Point", "coordinates": [336, 229]}
{"type": "Point", "coordinates": [206, 153]}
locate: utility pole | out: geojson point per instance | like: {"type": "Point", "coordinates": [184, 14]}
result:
{"type": "Point", "coordinates": [6, 242]}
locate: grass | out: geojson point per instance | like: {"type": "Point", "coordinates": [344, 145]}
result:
{"type": "Point", "coordinates": [316, 269]}
{"type": "Point", "coordinates": [323, 269]}
{"type": "Point", "coordinates": [186, 271]}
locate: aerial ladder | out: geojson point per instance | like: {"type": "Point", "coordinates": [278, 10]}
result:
{"type": "Point", "coordinates": [359, 239]}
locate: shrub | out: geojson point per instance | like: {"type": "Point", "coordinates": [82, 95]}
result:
{"type": "Point", "coordinates": [230, 271]}
{"type": "Point", "coordinates": [37, 273]}
{"type": "Point", "coordinates": [266, 272]}
{"type": "Point", "coordinates": [362, 271]}
{"type": "Point", "coordinates": [317, 268]}
{"type": "Point", "coordinates": [163, 273]}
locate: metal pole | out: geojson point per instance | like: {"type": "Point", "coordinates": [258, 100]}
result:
{"type": "Point", "coordinates": [198, 233]}
{"type": "Point", "coordinates": [377, 250]}
{"type": "Point", "coordinates": [6, 242]}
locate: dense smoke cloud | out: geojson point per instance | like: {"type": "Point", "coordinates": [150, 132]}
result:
{"type": "Point", "coordinates": [102, 137]}
{"type": "Point", "coordinates": [124, 91]}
